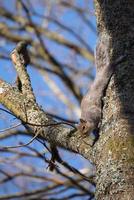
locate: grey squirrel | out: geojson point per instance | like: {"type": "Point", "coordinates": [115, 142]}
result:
{"type": "Point", "coordinates": [91, 105]}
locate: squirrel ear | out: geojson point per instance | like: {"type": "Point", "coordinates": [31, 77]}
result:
{"type": "Point", "coordinates": [82, 120]}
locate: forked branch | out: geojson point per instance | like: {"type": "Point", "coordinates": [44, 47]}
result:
{"type": "Point", "coordinates": [22, 103]}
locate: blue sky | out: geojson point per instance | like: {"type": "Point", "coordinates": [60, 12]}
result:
{"type": "Point", "coordinates": [7, 72]}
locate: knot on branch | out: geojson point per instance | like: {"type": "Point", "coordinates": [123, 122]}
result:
{"type": "Point", "coordinates": [20, 54]}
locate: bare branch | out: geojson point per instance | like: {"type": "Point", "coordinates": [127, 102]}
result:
{"type": "Point", "coordinates": [33, 116]}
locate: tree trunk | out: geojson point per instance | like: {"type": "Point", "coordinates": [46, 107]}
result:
{"type": "Point", "coordinates": [114, 151]}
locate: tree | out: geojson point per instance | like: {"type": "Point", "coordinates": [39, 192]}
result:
{"type": "Point", "coordinates": [112, 154]}
{"type": "Point", "coordinates": [54, 75]}
{"type": "Point", "coordinates": [115, 147]}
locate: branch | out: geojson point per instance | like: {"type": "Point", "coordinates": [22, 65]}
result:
{"type": "Point", "coordinates": [23, 105]}
{"type": "Point", "coordinates": [85, 52]}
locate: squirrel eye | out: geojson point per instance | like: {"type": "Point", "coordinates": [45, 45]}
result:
{"type": "Point", "coordinates": [83, 127]}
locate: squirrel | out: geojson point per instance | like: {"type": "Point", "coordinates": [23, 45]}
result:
{"type": "Point", "coordinates": [92, 102]}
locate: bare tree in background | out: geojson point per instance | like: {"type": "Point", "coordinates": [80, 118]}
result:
{"type": "Point", "coordinates": [62, 60]}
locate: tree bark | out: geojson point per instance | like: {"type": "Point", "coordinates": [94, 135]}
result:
{"type": "Point", "coordinates": [114, 151]}
{"type": "Point", "coordinates": [22, 103]}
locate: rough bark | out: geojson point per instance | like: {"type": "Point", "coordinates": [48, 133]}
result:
{"type": "Point", "coordinates": [22, 103]}
{"type": "Point", "coordinates": [114, 152]}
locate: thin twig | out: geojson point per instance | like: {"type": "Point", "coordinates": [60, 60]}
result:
{"type": "Point", "coordinates": [42, 125]}
{"type": "Point", "coordinates": [21, 145]}
{"type": "Point", "coordinates": [7, 129]}
{"type": "Point", "coordinates": [7, 111]}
